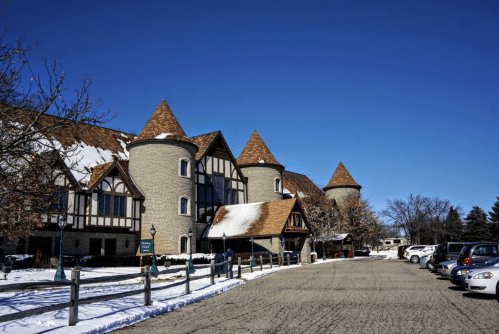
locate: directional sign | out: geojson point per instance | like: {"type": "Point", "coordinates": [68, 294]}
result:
{"type": "Point", "coordinates": [146, 246]}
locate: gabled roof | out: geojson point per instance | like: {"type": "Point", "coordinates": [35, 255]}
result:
{"type": "Point", "coordinates": [256, 152]}
{"type": "Point", "coordinates": [252, 219]}
{"type": "Point", "coordinates": [299, 184]}
{"type": "Point", "coordinates": [204, 142]}
{"type": "Point", "coordinates": [101, 171]}
{"type": "Point", "coordinates": [162, 126]}
{"type": "Point", "coordinates": [341, 178]}
{"type": "Point", "coordinates": [336, 237]}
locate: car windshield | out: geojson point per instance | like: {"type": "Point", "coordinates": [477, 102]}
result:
{"type": "Point", "coordinates": [493, 261]}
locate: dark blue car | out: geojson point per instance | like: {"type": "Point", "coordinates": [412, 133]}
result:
{"type": "Point", "coordinates": [458, 274]}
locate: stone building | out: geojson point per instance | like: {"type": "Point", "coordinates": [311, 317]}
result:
{"type": "Point", "coordinates": [125, 184]}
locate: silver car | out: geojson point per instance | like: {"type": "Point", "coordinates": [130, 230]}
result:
{"type": "Point", "coordinates": [446, 267]}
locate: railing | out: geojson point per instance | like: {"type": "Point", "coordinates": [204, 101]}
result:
{"type": "Point", "coordinates": [280, 261]}
{"type": "Point", "coordinates": [75, 283]}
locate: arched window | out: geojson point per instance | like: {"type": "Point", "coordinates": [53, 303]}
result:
{"type": "Point", "coordinates": [184, 169]}
{"type": "Point", "coordinates": [184, 206]}
{"type": "Point", "coordinates": [183, 245]}
{"type": "Point", "coordinates": [277, 187]}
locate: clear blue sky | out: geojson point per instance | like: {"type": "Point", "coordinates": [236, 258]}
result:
{"type": "Point", "coordinates": [404, 93]}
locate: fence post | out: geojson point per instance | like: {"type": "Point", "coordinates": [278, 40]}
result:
{"type": "Point", "coordinates": [288, 260]}
{"type": "Point", "coordinates": [226, 267]}
{"type": "Point", "coordinates": [261, 262]}
{"type": "Point", "coordinates": [73, 296]}
{"type": "Point", "coordinates": [147, 286]}
{"type": "Point", "coordinates": [298, 258]}
{"type": "Point", "coordinates": [271, 261]}
{"type": "Point", "coordinates": [187, 278]}
{"type": "Point", "coordinates": [239, 267]}
{"type": "Point", "coordinates": [279, 259]}
{"type": "Point", "coordinates": [251, 263]}
{"type": "Point", "coordinates": [231, 273]}
{"type": "Point", "coordinates": [212, 272]}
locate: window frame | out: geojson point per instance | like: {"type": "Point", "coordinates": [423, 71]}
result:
{"type": "Point", "coordinates": [187, 168]}
{"type": "Point", "coordinates": [277, 187]}
{"type": "Point", "coordinates": [188, 206]}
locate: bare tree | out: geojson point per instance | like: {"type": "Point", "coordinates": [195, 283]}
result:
{"type": "Point", "coordinates": [33, 112]}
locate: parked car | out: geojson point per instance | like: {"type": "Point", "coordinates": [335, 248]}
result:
{"type": "Point", "coordinates": [478, 252]}
{"type": "Point", "coordinates": [446, 267]}
{"type": "Point", "coordinates": [483, 280]}
{"type": "Point", "coordinates": [362, 252]}
{"type": "Point", "coordinates": [415, 255]}
{"type": "Point", "coordinates": [459, 273]}
{"type": "Point", "coordinates": [401, 250]}
{"type": "Point", "coordinates": [427, 261]}
{"type": "Point", "coordinates": [412, 249]}
{"type": "Point", "coordinates": [449, 250]}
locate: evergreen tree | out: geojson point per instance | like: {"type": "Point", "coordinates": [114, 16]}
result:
{"type": "Point", "coordinates": [494, 219]}
{"type": "Point", "coordinates": [477, 226]}
{"type": "Point", "coordinates": [453, 226]}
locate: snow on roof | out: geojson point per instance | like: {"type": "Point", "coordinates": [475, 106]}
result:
{"type": "Point", "coordinates": [163, 135]}
{"type": "Point", "coordinates": [335, 237]}
{"type": "Point", "coordinates": [238, 220]}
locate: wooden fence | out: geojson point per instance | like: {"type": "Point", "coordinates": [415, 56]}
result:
{"type": "Point", "coordinates": [74, 283]}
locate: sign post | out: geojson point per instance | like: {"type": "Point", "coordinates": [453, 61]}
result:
{"type": "Point", "coordinates": [146, 246]}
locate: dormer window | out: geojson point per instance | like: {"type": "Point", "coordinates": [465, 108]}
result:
{"type": "Point", "coordinates": [184, 168]}
{"type": "Point", "coordinates": [277, 186]}
{"type": "Point", "coordinates": [296, 219]}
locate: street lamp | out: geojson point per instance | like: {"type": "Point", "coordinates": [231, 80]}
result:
{"type": "Point", "coordinates": [59, 274]}
{"type": "Point", "coordinates": [323, 250]}
{"type": "Point", "coordinates": [154, 269]}
{"type": "Point", "coordinates": [223, 237]}
{"type": "Point", "coordinates": [191, 265]}
{"type": "Point", "coordinates": [253, 262]}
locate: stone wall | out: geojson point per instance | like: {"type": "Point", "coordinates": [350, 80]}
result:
{"type": "Point", "coordinates": [154, 166]}
{"type": "Point", "coordinates": [339, 193]}
{"type": "Point", "coordinates": [261, 183]}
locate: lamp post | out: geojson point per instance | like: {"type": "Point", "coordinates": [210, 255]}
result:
{"type": "Point", "coordinates": [253, 262]}
{"type": "Point", "coordinates": [154, 268]}
{"type": "Point", "coordinates": [223, 237]}
{"type": "Point", "coordinates": [323, 250]}
{"type": "Point", "coordinates": [191, 265]}
{"type": "Point", "coordinates": [59, 274]}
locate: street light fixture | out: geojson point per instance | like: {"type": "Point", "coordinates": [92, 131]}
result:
{"type": "Point", "coordinates": [59, 274]}
{"type": "Point", "coordinates": [253, 262]}
{"type": "Point", "coordinates": [223, 237]}
{"type": "Point", "coordinates": [154, 268]}
{"type": "Point", "coordinates": [191, 265]}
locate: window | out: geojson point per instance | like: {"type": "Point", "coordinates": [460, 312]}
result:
{"type": "Point", "coordinates": [396, 241]}
{"type": "Point", "coordinates": [95, 246]}
{"type": "Point", "coordinates": [184, 206]}
{"type": "Point", "coordinates": [184, 167]}
{"type": "Point", "coordinates": [277, 185]}
{"type": "Point", "coordinates": [60, 199]}
{"type": "Point", "coordinates": [296, 219]}
{"type": "Point", "coordinates": [183, 245]}
{"type": "Point", "coordinates": [119, 206]}
{"type": "Point", "coordinates": [388, 242]}
{"type": "Point", "coordinates": [104, 204]}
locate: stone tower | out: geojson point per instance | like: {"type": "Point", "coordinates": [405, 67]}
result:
{"type": "Point", "coordinates": [162, 164]}
{"type": "Point", "coordinates": [264, 173]}
{"type": "Point", "coordinates": [341, 185]}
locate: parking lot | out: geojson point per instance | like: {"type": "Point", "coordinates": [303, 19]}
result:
{"type": "Point", "coordinates": [355, 296]}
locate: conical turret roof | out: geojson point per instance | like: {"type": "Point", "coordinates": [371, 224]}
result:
{"type": "Point", "coordinates": [341, 178]}
{"type": "Point", "coordinates": [162, 126]}
{"type": "Point", "coordinates": [256, 152]}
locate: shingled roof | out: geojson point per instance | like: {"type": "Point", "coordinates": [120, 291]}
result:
{"type": "Point", "coordinates": [162, 126]}
{"type": "Point", "coordinates": [256, 152]}
{"type": "Point", "coordinates": [100, 171]}
{"type": "Point", "coordinates": [299, 183]}
{"type": "Point", "coordinates": [341, 178]}
{"type": "Point", "coordinates": [252, 219]}
{"type": "Point", "coordinates": [204, 142]}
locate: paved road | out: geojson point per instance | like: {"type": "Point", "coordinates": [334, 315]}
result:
{"type": "Point", "coordinates": [355, 296]}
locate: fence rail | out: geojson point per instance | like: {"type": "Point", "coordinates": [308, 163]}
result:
{"type": "Point", "coordinates": [75, 284]}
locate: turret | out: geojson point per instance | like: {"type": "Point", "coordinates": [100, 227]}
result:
{"type": "Point", "coordinates": [264, 173]}
{"type": "Point", "coordinates": [162, 164]}
{"type": "Point", "coordinates": [341, 185]}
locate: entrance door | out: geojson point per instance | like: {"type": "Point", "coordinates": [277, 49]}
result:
{"type": "Point", "coordinates": [41, 247]}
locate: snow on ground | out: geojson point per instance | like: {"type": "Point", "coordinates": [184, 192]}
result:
{"type": "Point", "coordinates": [391, 254]}
{"type": "Point", "coordinates": [107, 316]}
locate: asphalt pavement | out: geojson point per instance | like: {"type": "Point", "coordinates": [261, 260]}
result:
{"type": "Point", "coordinates": [354, 296]}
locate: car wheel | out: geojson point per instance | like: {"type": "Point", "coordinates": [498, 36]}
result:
{"type": "Point", "coordinates": [430, 265]}
{"type": "Point", "coordinates": [414, 259]}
